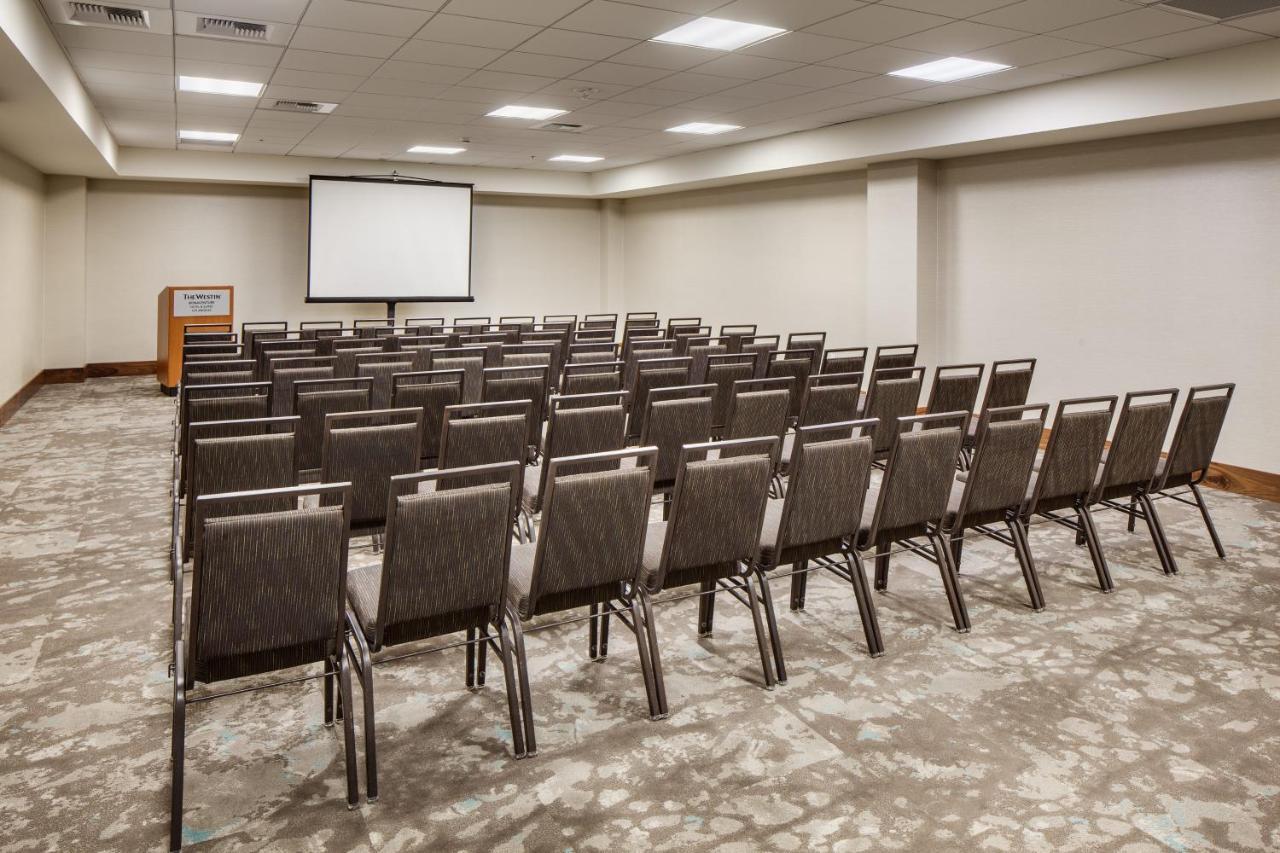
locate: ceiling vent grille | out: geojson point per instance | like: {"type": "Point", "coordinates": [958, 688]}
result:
{"type": "Point", "coordinates": [108, 16]}
{"type": "Point", "coordinates": [317, 107]}
{"type": "Point", "coordinates": [1220, 10]}
{"type": "Point", "coordinates": [560, 127]}
{"type": "Point", "coordinates": [229, 28]}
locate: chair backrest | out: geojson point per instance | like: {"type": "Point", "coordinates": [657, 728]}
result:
{"type": "Point", "coordinates": [794, 363]}
{"type": "Point", "coordinates": [1009, 383]}
{"type": "Point", "coordinates": [651, 373]}
{"type": "Point", "coordinates": [1070, 464]}
{"type": "Point", "coordinates": [315, 399]}
{"type": "Point", "coordinates": [424, 321]}
{"type": "Point", "coordinates": [591, 378]}
{"type": "Point", "coordinates": [893, 395]}
{"type": "Point", "coordinates": [267, 350]}
{"type": "Point", "coordinates": [685, 335]}
{"type": "Point", "coordinates": [595, 351]}
{"type": "Point", "coordinates": [830, 398]}
{"type": "Point", "coordinates": [220, 351]}
{"type": "Point", "coordinates": [1135, 447]}
{"type": "Point", "coordinates": [286, 371]}
{"type": "Point", "coordinates": [269, 584]}
{"type": "Point", "coordinates": [370, 327]}
{"type": "Point", "coordinates": [701, 350]}
{"type": "Point", "coordinates": [447, 554]}
{"type": "Point", "coordinates": [491, 343]}
{"type": "Point", "coordinates": [717, 510]}
{"type": "Point", "coordinates": [722, 371]}
{"type": "Point", "coordinates": [327, 340]}
{"type": "Point", "coordinates": [366, 449]}
{"type": "Point", "coordinates": [758, 408]}
{"type": "Point", "coordinates": [732, 335]}
{"type": "Point", "coordinates": [895, 356]}
{"type": "Point", "coordinates": [593, 527]}
{"type": "Point", "coordinates": [760, 346]}
{"type": "Point", "coordinates": [550, 353]}
{"type": "Point", "coordinates": [316, 329]}
{"type": "Point", "coordinates": [1197, 435]}
{"type": "Point", "coordinates": [582, 426]}
{"type": "Point", "coordinates": [918, 475]}
{"type": "Point", "coordinates": [681, 325]}
{"type": "Point", "coordinates": [346, 357]}
{"type": "Point", "coordinates": [639, 351]}
{"type": "Point", "coordinates": [482, 434]}
{"type": "Point", "coordinates": [433, 391]}
{"type": "Point", "coordinates": [502, 384]}
{"type": "Point", "coordinates": [223, 402]}
{"type": "Point", "coordinates": [826, 487]}
{"type": "Point", "coordinates": [249, 331]}
{"type": "Point", "coordinates": [217, 371]}
{"type": "Point", "coordinates": [468, 359]}
{"type": "Point", "coordinates": [815, 341]}
{"type": "Point", "coordinates": [954, 389]}
{"type": "Point", "coordinates": [845, 360]}
{"type": "Point", "coordinates": [599, 321]}
{"type": "Point", "coordinates": [1005, 453]}
{"type": "Point", "coordinates": [381, 372]}
{"type": "Point", "coordinates": [676, 417]}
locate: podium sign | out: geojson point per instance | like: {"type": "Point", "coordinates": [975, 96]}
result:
{"type": "Point", "coordinates": [214, 302]}
{"type": "Point", "coordinates": [178, 308]}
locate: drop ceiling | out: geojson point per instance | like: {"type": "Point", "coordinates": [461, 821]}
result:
{"type": "Point", "coordinates": [425, 72]}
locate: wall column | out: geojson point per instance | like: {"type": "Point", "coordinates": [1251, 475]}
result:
{"type": "Point", "coordinates": [65, 218]}
{"type": "Point", "coordinates": [612, 257]}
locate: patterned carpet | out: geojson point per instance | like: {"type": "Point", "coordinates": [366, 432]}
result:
{"type": "Point", "coordinates": [1144, 720]}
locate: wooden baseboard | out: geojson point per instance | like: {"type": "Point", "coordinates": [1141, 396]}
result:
{"type": "Point", "coordinates": [10, 407]}
{"type": "Point", "coordinates": [1244, 481]}
{"type": "Point", "coordinates": [107, 369]}
{"type": "Point", "coordinates": [61, 375]}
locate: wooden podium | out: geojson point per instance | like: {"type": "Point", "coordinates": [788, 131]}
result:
{"type": "Point", "coordinates": [184, 306]}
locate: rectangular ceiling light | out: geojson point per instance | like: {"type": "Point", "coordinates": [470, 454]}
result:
{"type": "Point", "coordinates": [718, 34]}
{"type": "Point", "coordinates": [214, 86]}
{"type": "Point", "coordinates": [207, 136]}
{"type": "Point", "coordinates": [575, 158]}
{"type": "Point", "coordinates": [705, 128]}
{"type": "Point", "coordinates": [435, 149]}
{"type": "Point", "coordinates": [532, 113]}
{"type": "Point", "coordinates": [949, 69]}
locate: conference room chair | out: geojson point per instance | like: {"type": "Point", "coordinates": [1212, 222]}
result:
{"type": "Point", "coordinates": [380, 368]}
{"type": "Point", "coordinates": [268, 591]}
{"type": "Point", "coordinates": [712, 539]}
{"type": "Point", "coordinates": [674, 417]}
{"type": "Point", "coordinates": [542, 354]}
{"type": "Point", "coordinates": [795, 365]}
{"type": "Point", "coordinates": [683, 324]}
{"type": "Point", "coordinates": [1064, 477]}
{"type": "Point", "coordinates": [367, 449]}
{"type": "Point", "coordinates": [211, 351]}
{"type": "Point", "coordinates": [505, 384]}
{"type": "Point", "coordinates": [994, 488]}
{"type": "Point", "coordinates": [444, 570]}
{"type": "Point", "coordinates": [893, 395]}
{"type": "Point", "coordinates": [1128, 466]}
{"type": "Point", "coordinates": [433, 391]}
{"type": "Point", "coordinates": [419, 347]}
{"type": "Point", "coordinates": [492, 344]}
{"type": "Point", "coordinates": [592, 336]}
{"type": "Point", "coordinates": [218, 402]}
{"type": "Point", "coordinates": [598, 322]}
{"type": "Point", "coordinates": [815, 341]}
{"type": "Point", "coordinates": [594, 351]}
{"type": "Point", "coordinates": [700, 349]}
{"type": "Point", "coordinates": [844, 360]}
{"type": "Point", "coordinates": [643, 350]}
{"type": "Point", "coordinates": [327, 341]}
{"type": "Point", "coordinates": [316, 329]}
{"type": "Point", "coordinates": [830, 398]}
{"type": "Point", "coordinates": [732, 335]}
{"type": "Point", "coordinates": [1191, 453]}
{"type": "Point", "coordinates": [236, 456]}
{"type": "Point", "coordinates": [818, 521]}
{"type": "Point", "coordinates": [758, 408]}
{"type": "Point", "coordinates": [684, 335]}
{"type": "Point", "coordinates": [314, 400]}
{"type": "Point", "coordinates": [641, 318]}
{"type": "Point", "coordinates": [895, 356]}
{"type": "Point", "coordinates": [761, 346]}
{"type": "Point", "coordinates": [470, 360]}
{"type": "Point", "coordinates": [217, 371]}
{"type": "Point", "coordinates": [370, 327]}
{"type": "Point", "coordinates": [470, 325]}
{"type": "Point", "coordinates": [954, 389]}
{"type": "Point", "coordinates": [483, 434]}
{"type": "Point", "coordinates": [521, 321]}
{"type": "Point", "coordinates": [283, 372]}
{"type": "Point", "coordinates": [1008, 384]}
{"type": "Point", "coordinates": [910, 501]}
{"type": "Point", "coordinates": [588, 554]}
{"type": "Point", "coordinates": [250, 331]}
{"type": "Point", "coordinates": [590, 378]}
{"type": "Point", "coordinates": [387, 334]}
{"type": "Point", "coordinates": [265, 351]}
{"type": "Point", "coordinates": [644, 333]}
{"type": "Point", "coordinates": [208, 333]}
{"type": "Point", "coordinates": [577, 425]}
{"type": "Point", "coordinates": [722, 371]}
{"type": "Point", "coordinates": [650, 374]}
{"type": "Point", "coordinates": [418, 322]}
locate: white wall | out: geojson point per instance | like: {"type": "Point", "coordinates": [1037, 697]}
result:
{"type": "Point", "coordinates": [531, 256]}
{"type": "Point", "coordinates": [1125, 265]}
{"type": "Point", "coordinates": [787, 255]}
{"type": "Point", "coordinates": [21, 299]}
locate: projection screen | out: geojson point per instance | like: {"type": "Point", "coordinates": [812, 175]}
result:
{"type": "Point", "coordinates": [379, 240]}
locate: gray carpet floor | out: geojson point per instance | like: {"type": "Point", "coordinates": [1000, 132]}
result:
{"type": "Point", "coordinates": [1140, 721]}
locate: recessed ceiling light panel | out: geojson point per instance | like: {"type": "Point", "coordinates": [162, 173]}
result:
{"type": "Point", "coordinates": [214, 86]}
{"type": "Point", "coordinates": [435, 149]}
{"type": "Point", "coordinates": [207, 136]}
{"type": "Point", "coordinates": [575, 158]}
{"type": "Point", "coordinates": [704, 128]}
{"type": "Point", "coordinates": [532, 113]}
{"type": "Point", "coordinates": [718, 34]}
{"type": "Point", "coordinates": [949, 69]}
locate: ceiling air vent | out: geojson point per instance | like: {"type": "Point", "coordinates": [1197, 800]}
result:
{"type": "Point", "coordinates": [97, 14]}
{"type": "Point", "coordinates": [229, 28]}
{"type": "Point", "coordinates": [560, 127]}
{"type": "Point", "coordinates": [1220, 10]}
{"type": "Point", "coordinates": [319, 107]}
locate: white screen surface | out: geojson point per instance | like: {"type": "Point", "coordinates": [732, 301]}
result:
{"type": "Point", "coordinates": [389, 241]}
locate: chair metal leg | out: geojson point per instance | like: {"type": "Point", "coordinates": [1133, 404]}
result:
{"type": "Point", "coordinates": [364, 672]}
{"type": "Point", "coordinates": [482, 655]}
{"type": "Point", "coordinates": [593, 631]}
{"type": "Point", "coordinates": [1208, 521]}
{"type": "Point", "coordinates": [1027, 563]}
{"type": "Point", "coordinates": [951, 583]}
{"type": "Point", "coordinates": [866, 605]}
{"type": "Point", "coordinates": [646, 663]}
{"type": "Point", "coordinates": [602, 652]}
{"type": "Point", "coordinates": [1158, 538]}
{"type": "Point", "coordinates": [771, 619]}
{"type": "Point", "coordinates": [957, 547]}
{"type": "Point", "coordinates": [348, 729]}
{"type": "Point", "coordinates": [882, 566]}
{"type": "Point", "coordinates": [471, 658]}
{"type": "Point", "coordinates": [513, 698]}
{"type": "Point", "coordinates": [522, 671]}
{"type": "Point", "coordinates": [655, 654]}
{"type": "Point", "coordinates": [754, 603]}
{"type": "Point", "coordinates": [1133, 512]}
{"type": "Point", "coordinates": [706, 608]}
{"type": "Point", "coordinates": [1095, 549]}
{"type": "Point", "coordinates": [329, 699]}
{"type": "Point", "coordinates": [178, 752]}
{"type": "Point", "coordinates": [799, 584]}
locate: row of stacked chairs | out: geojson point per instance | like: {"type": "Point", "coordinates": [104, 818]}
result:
{"type": "Point", "coordinates": [534, 497]}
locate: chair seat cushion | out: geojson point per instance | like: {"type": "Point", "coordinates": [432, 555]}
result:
{"type": "Point", "coordinates": [532, 480]}
{"type": "Point", "coordinates": [788, 446]}
{"type": "Point", "coordinates": [520, 577]}
{"type": "Point", "coordinates": [364, 584]}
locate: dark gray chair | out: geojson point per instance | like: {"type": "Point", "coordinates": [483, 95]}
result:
{"type": "Point", "coordinates": [316, 399]}
{"type": "Point", "coordinates": [895, 357]}
{"type": "Point", "coordinates": [732, 335]}
{"type": "Point", "coordinates": [761, 346]}
{"type": "Point", "coordinates": [651, 374]}
{"type": "Point", "coordinates": [1008, 384]}
{"type": "Point", "coordinates": [433, 391]}
{"type": "Point", "coordinates": [222, 371]}
{"type": "Point", "coordinates": [265, 351]}
{"type": "Point", "coordinates": [484, 434]}
{"type": "Point", "coordinates": [283, 372]}
{"type": "Point", "coordinates": [505, 384]}
{"type": "Point", "coordinates": [894, 394]}
{"type": "Point", "coordinates": [815, 341]}
{"type": "Point", "coordinates": [673, 418]}
{"type": "Point", "coordinates": [796, 365]}
{"type": "Point", "coordinates": [267, 593]}
{"type": "Point", "coordinates": [576, 426]}
{"type": "Point", "coordinates": [759, 408]}
{"type": "Point", "coordinates": [700, 350]}
{"type": "Point", "coordinates": [591, 378]}
{"type": "Point", "coordinates": [721, 373]}
{"type": "Point", "coordinates": [367, 449]}
{"type": "Point", "coordinates": [346, 357]}
{"type": "Point", "coordinates": [955, 389]}
{"type": "Point", "coordinates": [643, 350]}
{"type": "Point", "coordinates": [468, 359]}
{"type": "Point", "coordinates": [381, 370]}
{"type": "Point", "coordinates": [830, 398]}
{"type": "Point", "coordinates": [845, 360]}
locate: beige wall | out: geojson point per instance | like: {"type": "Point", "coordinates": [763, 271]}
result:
{"type": "Point", "coordinates": [531, 255]}
{"type": "Point", "coordinates": [1141, 263]}
{"type": "Point", "coordinates": [21, 296]}
{"type": "Point", "coordinates": [787, 255]}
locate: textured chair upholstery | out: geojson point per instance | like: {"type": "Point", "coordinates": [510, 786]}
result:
{"type": "Point", "coordinates": [367, 449]}
{"type": "Point", "coordinates": [505, 384]}
{"type": "Point", "coordinates": [483, 434]}
{"type": "Point", "coordinates": [592, 424]}
{"type": "Point", "coordinates": [675, 417]}
{"type": "Point", "coordinates": [470, 361]}
{"type": "Point", "coordinates": [721, 373]}
{"type": "Point", "coordinates": [433, 391]}
{"type": "Point", "coordinates": [762, 347]}
{"type": "Point", "coordinates": [845, 360]}
{"type": "Point", "coordinates": [892, 396]}
{"type": "Point", "coordinates": [955, 389]}
{"type": "Point", "coordinates": [313, 401]}
{"type": "Point", "coordinates": [591, 378]}
{"type": "Point", "coordinates": [282, 379]}
{"type": "Point", "coordinates": [1191, 452]}
{"type": "Point", "coordinates": [795, 365]}
{"type": "Point", "coordinates": [759, 408]}
{"type": "Point", "coordinates": [894, 357]}
{"type": "Point", "coordinates": [815, 341]}
{"type": "Point", "coordinates": [381, 373]}
{"type": "Point", "coordinates": [652, 374]}
{"type": "Point", "coordinates": [830, 398]}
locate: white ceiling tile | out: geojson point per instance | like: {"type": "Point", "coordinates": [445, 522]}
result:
{"type": "Point", "coordinates": [818, 76]}
{"type": "Point", "coordinates": [696, 82]}
{"type": "Point", "coordinates": [719, 103]}
{"type": "Point", "coordinates": [673, 57]}
{"type": "Point", "coordinates": [1267, 22]}
{"type": "Point", "coordinates": [764, 90]}
{"type": "Point", "coordinates": [601, 111]}
{"type": "Point", "coordinates": [477, 32]}
{"type": "Point", "coordinates": [364, 17]}
{"type": "Point", "coordinates": [958, 38]}
{"type": "Point", "coordinates": [317, 79]}
{"type": "Point", "coordinates": [95, 38]}
{"type": "Point", "coordinates": [576, 45]}
{"type": "Point", "coordinates": [878, 24]}
{"type": "Point", "coordinates": [440, 53]}
{"type": "Point", "coordinates": [129, 80]}
{"type": "Point", "coordinates": [574, 92]}
{"type": "Point", "coordinates": [884, 106]}
{"type": "Point", "coordinates": [879, 87]}
{"type": "Point", "coordinates": [950, 8]}
{"type": "Point", "coordinates": [803, 47]}
{"type": "Point", "coordinates": [517, 62]}
{"type": "Point", "coordinates": [302, 93]}
{"type": "Point", "coordinates": [746, 67]}
{"type": "Point", "coordinates": [1015, 78]}
{"type": "Point", "coordinates": [654, 97]}
{"type": "Point", "coordinates": [329, 63]}
{"type": "Point", "coordinates": [132, 105]}
{"type": "Point", "coordinates": [621, 19]}
{"type": "Point", "coordinates": [280, 11]}
{"type": "Point", "coordinates": [421, 72]}
{"type": "Point", "coordinates": [341, 41]}
{"type": "Point", "coordinates": [665, 118]}
{"type": "Point", "coordinates": [1130, 26]}
{"type": "Point", "coordinates": [692, 7]}
{"type": "Point", "coordinates": [1193, 41]}
{"type": "Point", "coordinates": [1029, 50]}
{"type": "Point", "coordinates": [226, 50]}
{"type": "Point", "coordinates": [422, 5]}
{"type": "Point", "coordinates": [1093, 62]}
{"type": "Point", "coordinates": [146, 63]}
{"type": "Point", "coordinates": [539, 12]}
{"type": "Point", "coordinates": [321, 150]}
{"type": "Point", "coordinates": [791, 15]}
{"type": "Point", "coordinates": [402, 88]}
{"type": "Point", "coordinates": [943, 92]}
{"type": "Point", "coordinates": [486, 79]}
{"type": "Point", "coordinates": [1041, 16]}
{"type": "Point", "coordinates": [622, 75]}
{"type": "Point", "coordinates": [881, 59]}
{"type": "Point", "coordinates": [255, 147]}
